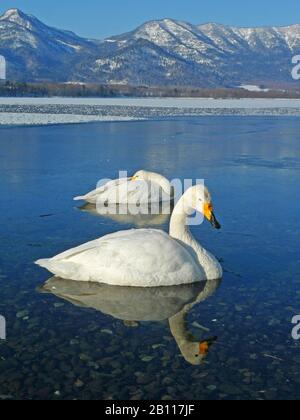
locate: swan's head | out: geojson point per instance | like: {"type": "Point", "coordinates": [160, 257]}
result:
{"type": "Point", "coordinates": [198, 198]}
{"type": "Point", "coordinates": [141, 176]}
{"type": "Point", "coordinates": [195, 353]}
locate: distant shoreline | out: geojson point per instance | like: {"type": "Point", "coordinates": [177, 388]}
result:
{"type": "Point", "coordinates": [13, 89]}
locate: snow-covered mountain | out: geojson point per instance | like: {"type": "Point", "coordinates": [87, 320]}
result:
{"type": "Point", "coordinates": [35, 52]}
{"type": "Point", "coordinates": [165, 52]}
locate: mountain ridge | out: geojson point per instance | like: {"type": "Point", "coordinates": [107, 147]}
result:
{"type": "Point", "coordinates": [165, 52]}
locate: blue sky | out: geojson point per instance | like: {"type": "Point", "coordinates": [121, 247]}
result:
{"type": "Point", "coordinates": [101, 18]}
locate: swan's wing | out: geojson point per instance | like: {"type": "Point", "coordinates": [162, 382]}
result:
{"type": "Point", "coordinates": [143, 257]}
{"type": "Point", "coordinates": [101, 193]}
{"type": "Point", "coordinates": [129, 192]}
{"type": "Point", "coordinates": [126, 191]}
{"type": "Point", "coordinates": [133, 192]}
{"type": "Point", "coordinates": [118, 191]}
{"type": "Point", "coordinates": [144, 192]}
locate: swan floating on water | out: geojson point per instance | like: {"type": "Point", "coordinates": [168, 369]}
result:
{"type": "Point", "coordinates": [139, 304]}
{"type": "Point", "coordinates": [145, 257]}
{"type": "Point", "coordinates": [143, 188]}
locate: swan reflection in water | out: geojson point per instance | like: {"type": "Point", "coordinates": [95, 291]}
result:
{"type": "Point", "coordinates": [140, 216]}
{"type": "Point", "coordinates": [133, 304]}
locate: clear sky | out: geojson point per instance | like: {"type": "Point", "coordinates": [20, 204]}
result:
{"type": "Point", "coordinates": [101, 18]}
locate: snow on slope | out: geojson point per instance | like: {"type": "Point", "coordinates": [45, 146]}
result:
{"type": "Point", "coordinates": [163, 52]}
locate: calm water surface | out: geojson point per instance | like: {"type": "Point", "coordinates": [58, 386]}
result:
{"type": "Point", "coordinates": [74, 341]}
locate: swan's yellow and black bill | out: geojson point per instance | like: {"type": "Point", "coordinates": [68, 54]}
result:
{"type": "Point", "coordinates": [204, 346]}
{"type": "Point", "coordinates": [210, 216]}
{"type": "Point", "coordinates": [214, 222]}
{"type": "Point", "coordinates": [133, 178]}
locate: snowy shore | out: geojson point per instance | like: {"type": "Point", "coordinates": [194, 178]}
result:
{"type": "Point", "coordinates": [44, 111]}
{"type": "Point", "coordinates": [11, 118]}
{"type": "Point", "coordinates": [159, 102]}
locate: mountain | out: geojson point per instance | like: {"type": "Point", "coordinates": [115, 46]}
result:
{"type": "Point", "coordinates": [37, 52]}
{"type": "Point", "coordinates": [164, 52]}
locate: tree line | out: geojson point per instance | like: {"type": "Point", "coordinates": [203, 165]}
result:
{"type": "Point", "coordinates": [79, 90]}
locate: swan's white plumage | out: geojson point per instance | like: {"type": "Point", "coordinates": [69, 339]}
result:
{"type": "Point", "coordinates": [152, 189]}
{"type": "Point", "coordinates": [143, 257]}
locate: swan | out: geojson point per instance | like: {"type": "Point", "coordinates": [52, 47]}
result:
{"type": "Point", "coordinates": [143, 188]}
{"type": "Point", "coordinates": [145, 257]}
{"type": "Point", "coordinates": [139, 304]}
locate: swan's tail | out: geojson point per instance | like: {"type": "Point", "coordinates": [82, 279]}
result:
{"type": "Point", "coordinates": [80, 198]}
{"type": "Point", "coordinates": [60, 268]}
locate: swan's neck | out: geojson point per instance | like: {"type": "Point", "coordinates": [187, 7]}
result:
{"type": "Point", "coordinates": [180, 231]}
{"type": "Point", "coordinates": [186, 342]}
{"type": "Point", "coordinates": [179, 228]}
{"type": "Point", "coordinates": [179, 328]}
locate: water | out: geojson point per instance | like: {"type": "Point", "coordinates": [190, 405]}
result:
{"type": "Point", "coordinates": [58, 349]}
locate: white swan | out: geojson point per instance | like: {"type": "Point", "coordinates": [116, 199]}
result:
{"type": "Point", "coordinates": [143, 188]}
{"type": "Point", "coordinates": [145, 257]}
